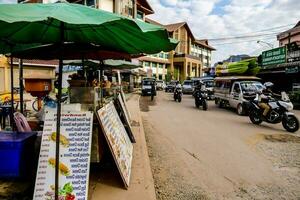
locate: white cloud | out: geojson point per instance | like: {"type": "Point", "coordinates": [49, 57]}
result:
{"type": "Point", "coordinates": [8, 1]}
{"type": "Point", "coordinates": [237, 17]}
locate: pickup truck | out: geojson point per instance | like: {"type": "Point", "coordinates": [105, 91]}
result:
{"type": "Point", "coordinates": [236, 91]}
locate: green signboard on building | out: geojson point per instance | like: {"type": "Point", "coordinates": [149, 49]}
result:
{"type": "Point", "coordinates": [292, 70]}
{"type": "Point", "coordinates": [273, 57]}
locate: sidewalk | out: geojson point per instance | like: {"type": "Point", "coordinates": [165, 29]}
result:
{"type": "Point", "coordinates": [110, 187]}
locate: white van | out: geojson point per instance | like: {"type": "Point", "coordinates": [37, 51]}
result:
{"type": "Point", "coordinates": [236, 91]}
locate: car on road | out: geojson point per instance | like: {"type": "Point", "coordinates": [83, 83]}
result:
{"type": "Point", "coordinates": [147, 86]}
{"type": "Point", "coordinates": [187, 87]}
{"type": "Point", "coordinates": [171, 86]}
{"type": "Point", "coordinates": [236, 91]}
{"type": "Point", "coordinates": [160, 85]}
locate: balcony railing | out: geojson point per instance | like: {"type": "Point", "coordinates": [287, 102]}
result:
{"type": "Point", "coordinates": [187, 56]}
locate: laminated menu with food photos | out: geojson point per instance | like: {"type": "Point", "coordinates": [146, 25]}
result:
{"type": "Point", "coordinates": [117, 139]}
{"type": "Point", "coordinates": [74, 160]}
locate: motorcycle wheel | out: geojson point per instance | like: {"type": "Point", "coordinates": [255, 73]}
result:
{"type": "Point", "coordinates": [291, 124]}
{"type": "Point", "coordinates": [197, 104]}
{"type": "Point", "coordinates": [216, 101]}
{"type": "Point", "coordinates": [179, 98]}
{"type": "Point", "coordinates": [220, 103]}
{"type": "Point", "coordinates": [175, 99]}
{"type": "Point", "coordinates": [255, 118]}
{"type": "Point", "coordinates": [204, 105]}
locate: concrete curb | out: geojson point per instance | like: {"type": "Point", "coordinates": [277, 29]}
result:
{"type": "Point", "coordinates": [149, 181]}
{"type": "Point", "coordinates": [141, 182]}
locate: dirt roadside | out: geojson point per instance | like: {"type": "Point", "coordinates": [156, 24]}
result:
{"type": "Point", "coordinates": [185, 172]}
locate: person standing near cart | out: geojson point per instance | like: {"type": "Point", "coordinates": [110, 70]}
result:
{"type": "Point", "coordinates": [152, 90]}
{"type": "Point", "coordinates": [106, 85]}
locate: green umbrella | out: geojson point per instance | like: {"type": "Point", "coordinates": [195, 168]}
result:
{"type": "Point", "coordinates": [25, 26]}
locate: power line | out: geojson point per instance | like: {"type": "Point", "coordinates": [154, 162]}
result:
{"type": "Point", "coordinates": [247, 36]}
{"type": "Point", "coordinates": [263, 30]}
{"type": "Point", "coordinates": [240, 42]}
{"type": "Point", "coordinates": [244, 37]}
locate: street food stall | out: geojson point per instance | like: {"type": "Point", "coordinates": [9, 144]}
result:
{"type": "Point", "coordinates": [72, 31]}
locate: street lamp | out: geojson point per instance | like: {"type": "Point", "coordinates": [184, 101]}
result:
{"type": "Point", "coordinates": [267, 43]}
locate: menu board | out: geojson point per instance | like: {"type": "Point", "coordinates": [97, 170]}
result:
{"type": "Point", "coordinates": [117, 139]}
{"type": "Point", "coordinates": [125, 106]}
{"type": "Point", "coordinates": [74, 161]}
{"type": "Point", "coordinates": [126, 119]}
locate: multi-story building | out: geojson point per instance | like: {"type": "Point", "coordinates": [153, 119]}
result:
{"type": "Point", "coordinates": [284, 68]}
{"type": "Point", "coordinates": [189, 59]}
{"type": "Point", "coordinates": [130, 8]}
{"type": "Point", "coordinates": [289, 36]}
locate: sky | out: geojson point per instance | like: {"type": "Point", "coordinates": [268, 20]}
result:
{"type": "Point", "coordinates": [216, 19]}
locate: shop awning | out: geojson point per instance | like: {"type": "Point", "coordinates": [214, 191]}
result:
{"type": "Point", "coordinates": [106, 64]}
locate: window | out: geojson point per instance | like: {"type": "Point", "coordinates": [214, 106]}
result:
{"type": "Point", "coordinates": [236, 88]}
{"type": "Point", "coordinates": [147, 64]}
{"type": "Point", "coordinates": [90, 3]}
{"type": "Point", "coordinates": [160, 65]}
{"type": "Point", "coordinates": [126, 8]}
{"type": "Point", "coordinates": [176, 36]}
{"type": "Point", "coordinates": [161, 55]}
{"type": "Point", "coordinates": [154, 65]}
{"type": "Point", "coordinates": [140, 15]}
{"type": "Point", "coordinates": [166, 55]}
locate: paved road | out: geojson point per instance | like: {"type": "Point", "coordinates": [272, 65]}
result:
{"type": "Point", "coordinates": [215, 154]}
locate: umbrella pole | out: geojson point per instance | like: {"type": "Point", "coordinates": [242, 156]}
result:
{"type": "Point", "coordinates": [12, 92]}
{"type": "Point", "coordinates": [58, 119]}
{"type": "Point", "coordinates": [101, 86]}
{"type": "Point", "coordinates": [58, 128]}
{"type": "Point", "coordinates": [21, 85]}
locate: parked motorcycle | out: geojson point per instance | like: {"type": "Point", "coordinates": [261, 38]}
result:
{"type": "Point", "coordinates": [178, 93]}
{"type": "Point", "coordinates": [279, 112]}
{"type": "Point", "coordinates": [201, 99]}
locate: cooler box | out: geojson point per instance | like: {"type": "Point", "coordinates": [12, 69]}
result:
{"type": "Point", "coordinates": [16, 154]}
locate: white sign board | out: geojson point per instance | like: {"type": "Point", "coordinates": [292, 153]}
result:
{"type": "Point", "coordinates": [74, 161]}
{"type": "Point", "coordinates": [126, 120]}
{"type": "Point", "coordinates": [126, 107]}
{"type": "Point", "coordinates": [117, 139]}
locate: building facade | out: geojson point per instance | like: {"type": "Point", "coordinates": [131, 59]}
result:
{"type": "Point", "coordinates": [190, 58]}
{"type": "Point", "coordinates": [282, 65]}
{"type": "Point", "coordinates": [290, 36]}
{"type": "Point", "coordinates": [31, 69]}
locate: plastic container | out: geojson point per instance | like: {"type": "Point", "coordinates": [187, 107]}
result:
{"type": "Point", "coordinates": [16, 154]}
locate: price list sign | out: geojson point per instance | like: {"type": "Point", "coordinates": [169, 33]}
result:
{"type": "Point", "coordinates": [117, 139]}
{"type": "Point", "coordinates": [74, 161]}
{"type": "Point", "coordinates": [127, 119]}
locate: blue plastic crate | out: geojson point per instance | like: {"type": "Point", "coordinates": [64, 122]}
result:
{"type": "Point", "coordinates": [16, 153]}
